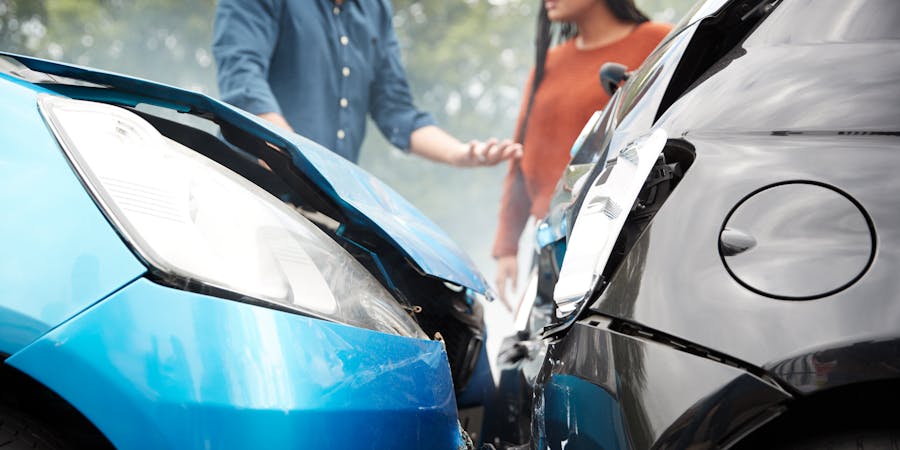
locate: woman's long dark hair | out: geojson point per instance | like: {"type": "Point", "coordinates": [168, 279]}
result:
{"type": "Point", "coordinates": [549, 34]}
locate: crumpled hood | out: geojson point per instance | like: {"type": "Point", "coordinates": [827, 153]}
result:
{"type": "Point", "coordinates": [368, 203]}
{"type": "Point", "coordinates": [421, 239]}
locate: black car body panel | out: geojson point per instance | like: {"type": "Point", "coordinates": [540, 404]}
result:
{"type": "Point", "coordinates": [662, 288]}
{"type": "Point", "coordinates": [607, 389]}
{"type": "Point", "coordinates": [791, 116]}
{"type": "Point", "coordinates": [761, 301]}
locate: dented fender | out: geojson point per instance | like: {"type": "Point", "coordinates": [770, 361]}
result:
{"type": "Point", "coordinates": [183, 370]}
{"type": "Point", "coordinates": [600, 388]}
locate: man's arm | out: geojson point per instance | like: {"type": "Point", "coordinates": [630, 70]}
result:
{"type": "Point", "coordinates": [408, 128]}
{"type": "Point", "coordinates": [433, 143]}
{"type": "Point", "coordinates": [245, 33]}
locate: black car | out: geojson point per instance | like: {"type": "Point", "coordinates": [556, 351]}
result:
{"type": "Point", "coordinates": [721, 264]}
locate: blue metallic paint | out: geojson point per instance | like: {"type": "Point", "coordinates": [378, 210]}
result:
{"type": "Point", "coordinates": [365, 199]}
{"type": "Point", "coordinates": [156, 367]}
{"type": "Point", "coordinates": [52, 230]}
{"type": "Point", "coordinates": [574, 404]}
{"type": "Point", "coordinates": [183, 370]}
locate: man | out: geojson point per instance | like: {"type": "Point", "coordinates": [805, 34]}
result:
{"type": "Point", "coordinates": [319, 67]}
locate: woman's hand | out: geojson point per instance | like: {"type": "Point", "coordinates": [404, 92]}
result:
{"type": "Point", "coordinates": [507, 272]}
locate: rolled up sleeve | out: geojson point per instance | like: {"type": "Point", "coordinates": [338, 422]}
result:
{"type": "Point", "coordinates": [391, 104]}
{"type": "Point", "coordinates": [244, 36]}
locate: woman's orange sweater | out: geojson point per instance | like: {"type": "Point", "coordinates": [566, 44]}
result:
{"type": "Point", "coordinates": [569, 93]}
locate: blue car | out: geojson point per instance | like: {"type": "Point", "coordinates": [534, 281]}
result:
{"type": "Point", "coordinates": [176, 273]}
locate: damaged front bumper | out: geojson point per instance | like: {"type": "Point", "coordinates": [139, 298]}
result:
{"type": "Point", "coordinates": [185, 370]}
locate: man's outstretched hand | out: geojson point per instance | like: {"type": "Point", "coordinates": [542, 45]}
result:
{"type": "Point", "coordinates": [488, 153]}
{"type": "Point", "coordinates": [433, 143]}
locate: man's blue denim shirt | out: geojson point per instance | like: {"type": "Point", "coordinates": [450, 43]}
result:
{"type": "Point", "coordinates": [323, 67]}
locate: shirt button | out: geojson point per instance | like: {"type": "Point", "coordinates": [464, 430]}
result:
{"type": "Point", "coordinates": [346, 71]}
{"type": "Point", "coordinates": [345, 40]}
{"type": "Point", "coordinates": [344, 103]}
{"type": "Point", "coordinates": [341, 134]}
{"type": "Point", "coordinates": [336, 10]}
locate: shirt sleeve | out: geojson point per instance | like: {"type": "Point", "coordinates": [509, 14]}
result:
{"type": "Point", "coordinates": [391, 104]}
{"type": "Point", "coordinates": [245, 34]}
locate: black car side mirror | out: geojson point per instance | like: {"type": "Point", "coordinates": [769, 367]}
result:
{"type": "Point", "coordinates": [611, 74]}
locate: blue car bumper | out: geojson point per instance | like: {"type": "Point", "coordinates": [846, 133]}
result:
{"type": "Point", "coordinates": [156, 367]}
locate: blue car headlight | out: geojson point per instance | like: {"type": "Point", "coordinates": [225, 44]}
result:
{"type": "Point", "coordinates": [193, 220]}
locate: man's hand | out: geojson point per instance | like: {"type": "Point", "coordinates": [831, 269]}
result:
{"type": "Point", "coordinates": [433, 143]}
{"type": "Point", "coordinates": [507, 272]}
{"type": "Point", "coordinates": [277, 119]}
{"type": "Point", "coordinates": [489, 153]}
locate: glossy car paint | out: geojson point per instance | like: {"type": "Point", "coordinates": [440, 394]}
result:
{"type": "Point", "coordinates": [662, 292]}
{"type": "Point", "coordinates": [519, 374]}
{"type": "Point", "coordinates": [791, 116]}
{"type": "Point", "coordinates": [413, 257]}
{"type": "Point", "coordinates": [840, 365]}
{"type": "Point", "coordinates": [645, 87]}
{"type": "Point", "coordinates": [810, 98]}
{"type": "Point", "coordinates": [155, 367]}
{"type": "Point", "coordinates": [824, 244]}
{"type": "Point", "coordinates": [51, 230]}
{"type": "Point", "coordinates": [369, 203]}
{"type": "Point", "coordinates": [605, 389]}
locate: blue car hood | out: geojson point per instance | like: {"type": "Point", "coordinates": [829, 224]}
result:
{"type": "Point", "coordinates": [367, 203]}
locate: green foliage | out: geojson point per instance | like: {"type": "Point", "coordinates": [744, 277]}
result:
{"type": "Point", "coordinates": [162, 40]}
{"type": "Point", "coordinates": [467, 61]}
{"type": "Point", "coordinates": [21, 24]}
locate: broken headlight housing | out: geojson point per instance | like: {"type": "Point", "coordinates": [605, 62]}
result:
{"type": "Point", "coordinates": [196, 223]}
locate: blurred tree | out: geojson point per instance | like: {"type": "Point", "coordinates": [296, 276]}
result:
{"type": "Point", "coordinates": [162, 40]}
{"type": "Point", "coordinates": [467, 61]}
{"type": "Point", "coordinates": [21, 24]}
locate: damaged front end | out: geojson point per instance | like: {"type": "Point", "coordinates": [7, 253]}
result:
{"type": "Point", "coordinates": [421, 272]}
{"type": "Point", "coordinates": [572, 378]}
{"type": "Point", "coordinates": [726, 277]}
{"type": "Point", "coordinates": [627, 205]}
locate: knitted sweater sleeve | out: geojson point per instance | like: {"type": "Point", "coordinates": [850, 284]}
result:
{"type": "Point", "coordinates": [515, 206]}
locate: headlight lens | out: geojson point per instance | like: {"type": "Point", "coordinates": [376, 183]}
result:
{"type": "Point", "coordinates": [190, 218]}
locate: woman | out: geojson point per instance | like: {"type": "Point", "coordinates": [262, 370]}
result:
{"type": "Point", "coordinates": [563, 91]}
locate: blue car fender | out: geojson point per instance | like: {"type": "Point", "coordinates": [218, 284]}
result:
{"type": "Point", "coordinates": [156, 367]}
{"type": "Point", "coordinates": [60, 254]}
